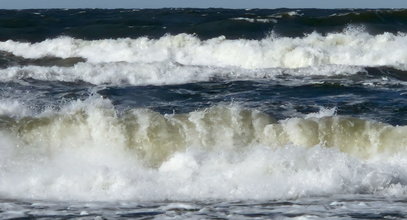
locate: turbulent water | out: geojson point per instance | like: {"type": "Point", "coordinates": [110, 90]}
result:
{"type": "Point", "coordinates": [203, 113]}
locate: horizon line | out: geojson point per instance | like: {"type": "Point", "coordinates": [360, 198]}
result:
{"type": "Point", "coordinates": [142, 8]}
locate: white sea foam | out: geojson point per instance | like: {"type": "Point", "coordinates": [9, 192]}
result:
{"type": "Point", "coordinates": [185, 58]}
{"type": "Point", "coordinates": [286, 14]}
{"type": "Point", "coordinates": [323, 112]}
{"type": "Point", "coordinates": [14, 108]}
{"type": "Point", "coordinates": [85, 151]}
{"type": "Point", "coordinates": [159, 73]}
{"type": "Point", "coordinates": [351, 47]}
{"type": "Point", "coordinates": [255, 20]}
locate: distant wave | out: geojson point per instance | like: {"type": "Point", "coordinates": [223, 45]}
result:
{"type": "Point", "coordinates": [30, 25]}
{"type": "Point", "coordinates": [348, 48]}
{"type": "Point", "coordinates": [254, 20]}
{"type": "Point", "coordinates": [185, 58]}
{"type": "Point", "coordinates": [160, 73]}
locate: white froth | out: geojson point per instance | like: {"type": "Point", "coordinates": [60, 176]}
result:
{"type": "Point", "coordinates": [351, 47]}
{"type": "Point", "coordinates": [158, 73]}
{"type": "Point", "coordinates": [82, 152]}
{"type": "Point", "coordinates": [259, 173]}
{"type": "Point", "coordinates": [13, 108]}
{"type": "Point", "coordinates": [323, 112]}
{"type": "Point", "coordinates": [255, 20]}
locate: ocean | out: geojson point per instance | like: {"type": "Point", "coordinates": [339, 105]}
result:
{"type": "Point", "coordinates": [203, 114]}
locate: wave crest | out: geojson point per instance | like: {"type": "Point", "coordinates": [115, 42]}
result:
{"type": "Point", "coordinates": [351, 47]}
{"type": "Point", "coordinates": [153, 137]}
{"type": "Point", "coordinates": [87, 151]}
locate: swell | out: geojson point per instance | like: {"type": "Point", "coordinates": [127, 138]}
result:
{"type": "Point", "coordinates": [38, 25]}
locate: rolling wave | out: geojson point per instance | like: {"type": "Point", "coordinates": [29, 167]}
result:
{"type": "Point", "coordinates": [351, 47]}
{"type": "Point", "coordinates": [160, 73]}
{"type": "Point", "coordinates": [185, 58]}
{"type": "Point", "coordinates": [157, 136]}
{"type": "Point", "coordinates": [88, 151]}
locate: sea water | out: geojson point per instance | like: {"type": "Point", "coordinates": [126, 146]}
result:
{"type": "Point", "coordinates": [203, 113]}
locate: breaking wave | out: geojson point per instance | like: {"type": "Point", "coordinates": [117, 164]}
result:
{"type": "Point", "coordinates": [159, 73]}
{"type": "Point", "coordinates": [183, 58]}
{"type": "Point", "coordinates": [89, 151]}
{"type": "Point", "coordinates": [351, 47]}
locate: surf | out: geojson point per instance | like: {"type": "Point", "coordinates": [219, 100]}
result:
{"type": "Point", "coordinates": [89, 151]}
